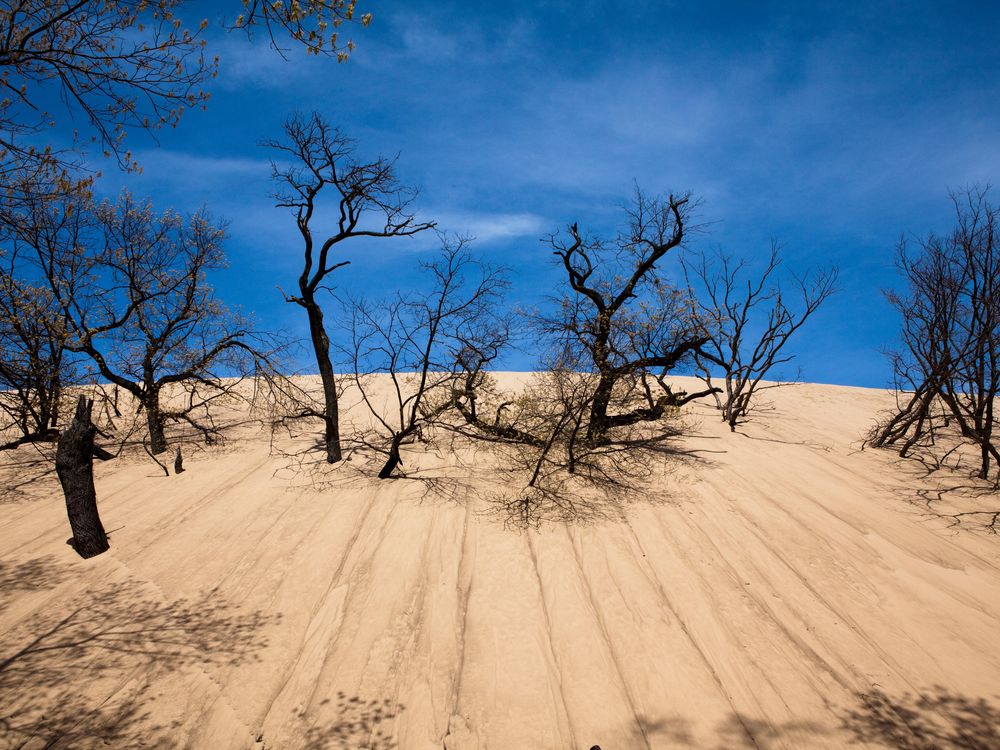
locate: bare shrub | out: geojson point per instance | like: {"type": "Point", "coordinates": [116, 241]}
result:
{"type": "Point", "coordinates": [748, 320]}
{"type": "Point", "coordinates": [947, 372]}
{"type": "Point", "coordinates": [423, 343]}
{"type": "Point", "coordinates": [601, 409]}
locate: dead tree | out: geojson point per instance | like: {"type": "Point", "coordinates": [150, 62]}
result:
{"type": "Point", "coordinates": [620, 319]}
{"type": "Point", "coordinates": [422, 343]}
{"type": "Point", "coordinates": [75, 468]}
{"type": "Point", "coordinates": [950, 358]}
{"type": "Point", "coordinates": [131, 290]}
{"type": "Point", "coordinates": [367, 200]}
{"type": "Point", "coordinates": [748, 321]}
{"type": "Point", "coordinates": [590, 424]}
{"type": "Point", "coordinates": [34, 363]}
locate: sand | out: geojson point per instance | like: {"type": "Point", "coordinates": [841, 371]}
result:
{"type": "Point", "coordinates": [781, 590]}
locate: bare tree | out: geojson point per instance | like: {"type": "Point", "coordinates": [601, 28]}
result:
{"type": "Point", "coordinates": [600, 408]}
{"type": "Point", "coordinates": [423, 343]}
{"type": "Point", "coordinates": [34, 363]}
{"type": "Point", "coordinates": [132, 295]}
{"type": "Point", "coordinates": [367, 200]}
{"type": "Point", "coordinates": [620, 318]}
{"type": "Point", "coordinates": [948, 370]}
{"type": "Point", "coordinates": [748, 322]}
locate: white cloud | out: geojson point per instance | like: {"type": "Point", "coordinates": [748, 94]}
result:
{"type": "Point", "coordinates": [490, 227]}
{"type": "Point", "coordinates": [421, 38]}
{"type": "Point", "coordinates": [243, 63]}
{"type": "Point", "coordinates": [182, 164]}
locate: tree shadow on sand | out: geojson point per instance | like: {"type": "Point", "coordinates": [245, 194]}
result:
{"type": "Point", "coordinates": [27, 474]}
{"type": "Point", "coordinates": [359, 725]}
{"type": "Point", "coordinates": [90, 673]}
{"type": "Point", "coordinates": [936, 719]}
{"type": "Point", "coordinates": [30, 576]}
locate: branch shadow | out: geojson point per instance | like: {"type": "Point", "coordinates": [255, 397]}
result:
{"type": "Point", "coordinates": [804, 443]}
{"type": "Point", "coordinates": [27, 473]}
{"type": "Point", "coordinates": [949, 495]}
{"type": "Point", "coordinates": [360, 725]}
{"type": "Point", "coordinates": [83, 675]}
{"type": "Point", "coordinates": [599, 493]}
{"type": "Point", "coordinates": [37, 574]}
{"type": "Point", "coordinates": [937, 719]}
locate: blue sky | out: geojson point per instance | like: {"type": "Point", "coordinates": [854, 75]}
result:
{"type": "Point", "coordinates": [834, 128]}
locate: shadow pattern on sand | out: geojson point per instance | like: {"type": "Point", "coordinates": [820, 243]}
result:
{"type": "Point", "coordinates": [30, 576]}
{"type": "Point", "coordinates": [361, 724]}
{"type": "Point", "coordinates": [937, 719]}
{"type": "Point", "coordinates": [88, 671]}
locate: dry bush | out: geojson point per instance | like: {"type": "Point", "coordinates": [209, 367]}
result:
{"type": "Point", "coordinates": [748, 321]}
{"type": "Point", "coordinates": [947, 373]}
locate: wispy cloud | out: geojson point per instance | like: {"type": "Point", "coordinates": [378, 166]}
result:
{"type": "Point", "coordinates": [183, 165]}
{"type": "Point", "coordinates": [487, 228]}
{"type": "Point", "coordinates": [429, 38]}
{"type": "Point", "coordinates": [191, 178]}
{"type": "Point", "coordinates": [244, 64]}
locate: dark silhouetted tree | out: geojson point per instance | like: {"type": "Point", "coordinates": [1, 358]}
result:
{"type": "Point", "coordinates": [131, 290]}
{"type": "Point", "coordinates": [424, 344]}
{"type": "Point", "coordinates": [600, 408]}
{"type": "Point", "coordinates": [316, 165]}
{"type": "Point", "coordinates": [948, 369]}
{"type": "Point", "coordinates": [620, 319]}
{"type": "Point", "coordinates": [748, 321]}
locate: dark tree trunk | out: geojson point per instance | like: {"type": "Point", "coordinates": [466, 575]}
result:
{"type": "Point", "coordinates": [75, 468]}
{"type": "Point", "coordinates": [392, 462]}
{"type": "Point", "coordinates": [321, 347]}
{"type": "Point", "coordinates": [54, 404]}
{"type": "Point", "coordinates": [984, 472]}
{"type": "Point", "coordinates": [154, 422]}
{"type": "Point", "coordinates": [597, 425]}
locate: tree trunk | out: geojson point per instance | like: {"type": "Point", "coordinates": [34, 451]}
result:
{"type": "Point", "coordinates": [597, 425]}
{"type": "Point", "coordinates": [75, 468]}
{"type": "Point", "coordinates": [154, 422]}
{"type": "Point", "coordinates": [392, 462]}
{"type": "Point", "coordinates": [321, 347]}
{"type": "Point", "coordinates": [984, 472]}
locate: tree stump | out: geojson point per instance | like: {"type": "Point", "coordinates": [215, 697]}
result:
{"type": "Point", "coordinates": [178, 461]}
{"type": "Point", "coordinates": [75, 468]}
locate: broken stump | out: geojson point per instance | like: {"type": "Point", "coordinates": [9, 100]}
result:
{"type": "Point", "coordinates": [75, 468]}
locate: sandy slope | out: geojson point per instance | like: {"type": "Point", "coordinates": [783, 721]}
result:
{"type": "Point", "coordinates": [780, 592]}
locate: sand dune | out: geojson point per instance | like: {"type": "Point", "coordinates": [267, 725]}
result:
{"type": "Point", "coordinates": [778, 591]}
